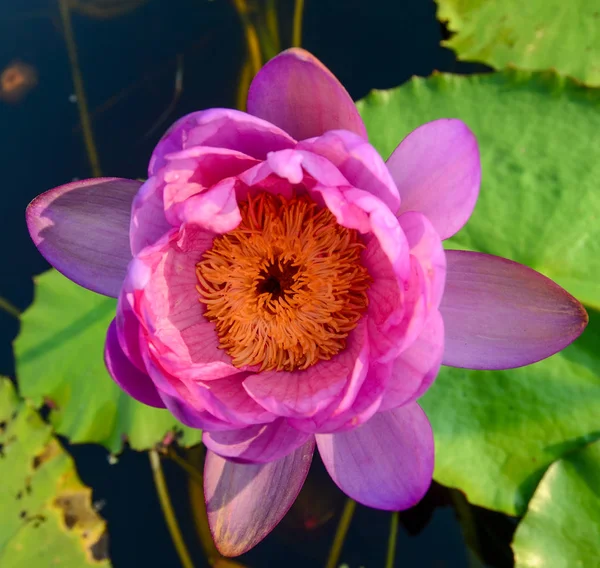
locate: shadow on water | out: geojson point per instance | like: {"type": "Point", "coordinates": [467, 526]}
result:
{"type": "Point", "coordinates": [129, 65]}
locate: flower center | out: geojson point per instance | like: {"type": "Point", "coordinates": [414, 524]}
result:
{"type": "Point", "coordinates": [284, 288]}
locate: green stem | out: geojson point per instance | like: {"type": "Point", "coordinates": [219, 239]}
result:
{"type": "Point", "coordinates": [84, 115]}
{"type": "Point", "coordinates": [167, 509]}
{"type": "Point", "coordinates": [273, 24]}
{"type": "Point", "coordinates": [213, 556]}
{"type": "Point", "coordinates": [391, 550]}
{"type": "Point", "coordinates": [297, 23]}
{"type": "Point", "coordinates": [340, 534]}
{"type": "Point", "coordinates": [9, 308]}
{"type": "Point", "coordinates": [252, 41]}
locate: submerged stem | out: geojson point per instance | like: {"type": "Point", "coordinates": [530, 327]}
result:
{"type": "Point", "coordinates": [9, 308]}
{"type": "Point", "coordinates": [252, 41]}
{"type": "Point", "coordinates": [84, 115]}
{"type": "Point", "coordinates": [340, 534]}
{"type": "Point", "coordinates": [297, 23]}
{"type": "Point", "coordinates": [167, 509]}
{"type": "Point", "coordinates": [391, 550]}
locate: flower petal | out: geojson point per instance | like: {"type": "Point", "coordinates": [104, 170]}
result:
{"type": "Point", "coordinates": [296, 92]}
{"type": "Point", "coordinates": [426, 246]}
{"type": "Point", "coordinates": [133, 381]}
{"type": "Point", "coordinates": [437, 171]}
{"type": "Point", "coordinates": [386, 463]}
{"type": "Point", "coordinates": [415, 369]}
{"type": "Point", "coordinates": [257, 444]}
{"type": "Point", "coordinates": [148, 221]}
{"type": "Point", "coordinates": [245, 502]}
{"type": "Point", "coordinates": [358, 161]}
{"type": "Point", "coordinates": [220, 128]}
{"type": "Point", "coordinates": [304, 393]}
{"type": "Point", "coordinates": [499, 314]}
{"type": "Point", "coordinates": [82, 229]}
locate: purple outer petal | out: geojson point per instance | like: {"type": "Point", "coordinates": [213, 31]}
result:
{"type": "Point", "coordinates": [245, 502]}
{"type": "Point", "coordinates": [437, 171]}
{"type": "Point", "coordinates": [82, 229]}
{"type": "Point", "coordinates": [499, 314]}
{"type": "Point", "coordinates": [296, 92]}
{"type": "Point", "coordinates": [387, 463]}
{"type": "Point", "coordinates": [258, 444]}
{"type": "Point", "coordinates": [133, 381]}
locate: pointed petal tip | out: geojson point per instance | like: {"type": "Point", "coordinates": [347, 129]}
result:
{"type": "Point", "coordinates": [244, 502]}
{"type": "Point", "coordinates": [298, 93]}
{"type": "Point", "coordinates": [500, 314]}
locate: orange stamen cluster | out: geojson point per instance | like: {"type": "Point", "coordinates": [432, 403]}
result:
{"type": "Point", "coordinates": [285, 288]}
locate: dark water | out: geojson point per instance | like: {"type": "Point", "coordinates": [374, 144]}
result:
{"type": "Point", "coordinates": [128, 66]}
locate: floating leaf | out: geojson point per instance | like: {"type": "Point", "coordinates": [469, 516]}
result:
{"type": "Point", "coordinates": [59, 360]}
{"type": "Point", "coordinates": [562, 525]}
{"type": "Point", "coordinates": [497, 432]}
{"type": "Point", "coordinates": [47, 513]}
{"type": "Point", "coordinates": [552, 34]}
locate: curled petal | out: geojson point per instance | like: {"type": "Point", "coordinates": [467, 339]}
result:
{"type": "Point", "coordinates": [257, 444]}
{"type": "Point", "coordinates": [299, 94]}
{"type": "Point", "coordinates": [245, 502]}
{"type": "Point", "coordinates": [415, 369]}
{"type": "Point", "coordinates": [148, 221]}
{"type": "Point", "coordinates": [358, 161]}
{"type": "Point", "coordinates": [82, 229]}
{"type": "Point", "coordinates": [132, 380]}
{"type": "Point", "coordinates": [387, 463]}
{"type": "Point", "coordinates": [437, 171]}
{"type": "Point", "coordinates": [220, 128]}
{"type": "Point", "coordinates": [304, 393]}
{"type": "Point", "coordinates": [426, 246]}
{"type": "Point", "coordinates": [500, 314]}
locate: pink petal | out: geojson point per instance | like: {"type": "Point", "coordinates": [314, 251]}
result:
{"type": "Point", "coordinates": [148, 221]}
{"type": "Point", "coordinates": [220, 128]}
{"type": "Point", "coordinates": [415, 369]}
{"type": "Point", "coordinates": [228, 400]}
{"type": "Point", "coordinates": [133, 381]}
{"type": "Point", "coordinates": [258, 444]}
{"type": "Point", "coordinates": [437, 171]}
{"type": "Point", "coordinates": [364, 405]}
{"type": "Point", "coordinates": [299, 94]}
{"type": "Point", "coordinates": [304, 393]}
{"type": "Point", "coordinates": [500, 314]}
{"type": "Point", "coordinates": [82, 229]}
{"type": "Point", "coordinates": [245, 502]}
{"type": "Point", "coordinates": [192, 417]}
{"type": "Point", "coordinates": [196, 170]}
{"type": "Point", "coordinates": [426, 246]}
{"type": "Point", "coordinates": [359, 163]}
{"type": "Point", "coordinates": [386, 463]}
{"type": "Point", "coordinates": [180, 338]}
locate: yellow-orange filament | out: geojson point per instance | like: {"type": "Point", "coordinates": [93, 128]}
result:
{"type": "Point", "coordinates": [286, 286]}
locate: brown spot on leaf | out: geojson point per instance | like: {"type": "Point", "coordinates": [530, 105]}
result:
{"type": "Point", "coordinates": [49, 452]}
{"type": "Point", "coordinates": [80, 517]}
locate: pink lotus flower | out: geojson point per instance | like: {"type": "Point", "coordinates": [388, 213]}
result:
{"type": "Point", "coordinates": [280, 286]}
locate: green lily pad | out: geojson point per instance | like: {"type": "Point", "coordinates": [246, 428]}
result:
{"type": "Point", "coordinates": [47, 513]}
{"type": "Point", "coordinates": [497, 432]}
{"type": "Point", "coordinates": [562, 525]}
{"type": "Point", "coordinates": [59, 361]}
{"type": "Point", "coordinates": [538, 136]}
{"type": "Point", "coordinates": [550, 34]}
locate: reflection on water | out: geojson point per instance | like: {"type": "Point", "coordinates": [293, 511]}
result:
{"type": "Point", "coordinates": [16, 81]}
{"type": "Point", "coordinates": [104, 9]}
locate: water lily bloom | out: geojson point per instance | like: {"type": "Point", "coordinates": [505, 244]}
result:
{"type": "Point", "coordinates": [282, 287]}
